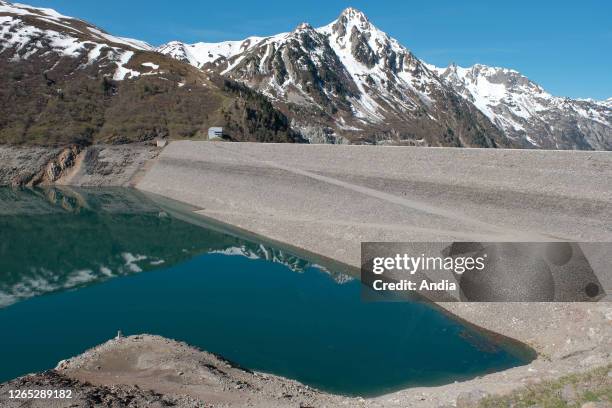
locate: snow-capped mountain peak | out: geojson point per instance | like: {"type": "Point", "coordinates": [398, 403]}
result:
{"type": "Point", "coordinates": [304, 27]}
{"type": "Point", "coordinates": [345, 78]}
{"type": "Point", "coordinates": [351, 14]}
{"type": "Point", "coordinates": [353, 30]}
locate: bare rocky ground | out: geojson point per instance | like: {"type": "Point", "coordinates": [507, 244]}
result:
{"type": "Point", "coordinates": [97, 165]}
{"type": "Point", "coordinates": [151, 371]}
{"type": "Point", "coordinates": [591, 389]}
{"type": "Point", "coordinates": [20, 165]}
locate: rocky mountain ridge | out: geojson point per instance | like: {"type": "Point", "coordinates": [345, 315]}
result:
{"type": "Point", "coordinates": [350, 81]}
{"type": "Point", "coordinates": [347, 81]}
{"type": "Point", "coordinates": [526, 112]}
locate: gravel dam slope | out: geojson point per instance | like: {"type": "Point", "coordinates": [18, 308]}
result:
{"type": "Point", "coordinates": [337, 196]}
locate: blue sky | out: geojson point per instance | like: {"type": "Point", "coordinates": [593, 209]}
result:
{"type": "Point", "coordinates": [565, 46]}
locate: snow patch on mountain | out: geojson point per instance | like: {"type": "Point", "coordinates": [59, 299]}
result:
{"type": "Point", "coordinates": [150, 65]}
{"type": "Point", "coordinates": [129, 42]}
{"type": "Point", "coordinates": [53, 17]}
{"type": "Point", "coordinates": [489, 87]}
{"type": "Point", "coordinates": [24, 10]}
{"type": "Point", "coordinates": [18, 36]}
{"type": "Point", "coordinates": [201, 53]}
{"type": "Point", "coordinates": [28, 31]}
{"type": "Point", "coordinates": [122, 72]}
{"type": "Point", "coordinates": [25, 41]}
{"type": "Point", "coordinates": [607, 103]}
{"type": "Point", "coordinates": [524, 110]}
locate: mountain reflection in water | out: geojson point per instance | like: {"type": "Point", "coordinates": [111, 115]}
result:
{"type": "Point", "coordinates": [56, 239]}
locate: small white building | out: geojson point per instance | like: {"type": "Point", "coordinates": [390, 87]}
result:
{"type": "Point", "coordinates": [215, 133]}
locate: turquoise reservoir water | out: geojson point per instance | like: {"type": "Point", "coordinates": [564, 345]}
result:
{"type": "Point", "coordinates": [78, 265]}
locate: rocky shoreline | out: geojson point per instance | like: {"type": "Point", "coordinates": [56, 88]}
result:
{"type": "Point", "coordinates": [152, 371]}
{"type": "Point", "coordinates": [95, 165]}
